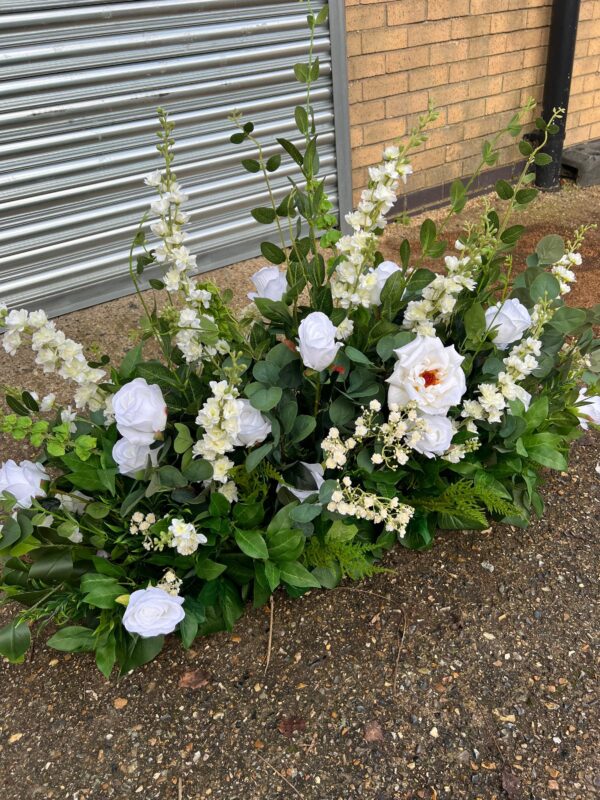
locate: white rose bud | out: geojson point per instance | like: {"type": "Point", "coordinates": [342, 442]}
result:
{"type": "Point", "coordinates": [429, 374]}
{"type": "Point", "coordinates": [270, 283]}
{"type": "Point", "coordinates": [253, 427]}
{"type": "Point", "coordinates": [23, 481]}
{"type": "Point", "coordinates": [140, 411]}
{"type": "Point", "coordinates": [436, 437]}
{"type": "Point", "coordinates": [382, 273]}
{"type": "Point", "coordinates": [152, 612]}
{"type": "Point", "coordinates": [509, 320]}
{"type": "Point", "coordinates": [131, 458]}
{"type": "Point", "coordinates": [316, 472]}
{"type": "Point", "coordinates": [316, 337]}
{"type": "Point", "coordinates": [588, 409]}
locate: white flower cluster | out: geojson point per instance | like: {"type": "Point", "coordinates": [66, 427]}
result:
{"type": "Point", "coordinates": [228, 422]}
{"type": "Point", "coordinates": [180, 535]}
{"type": "Point", "coordinates": [439, 298]}
{"type": "Point", "coordinates": [393, 439]}
{"type": "Point", "coordinates": [172, 252]}
{"type": "Point", "coordinates": [184, 537]}
{"type": "Point", "coordinates": [352, 501]}
{"type": "Point", "coordinates": [170, 583]}
{"type": "Point", "coordinates": [493, 398]}
{"type": "Point", "coordinates": [563, 273]}
{"type": "Point", "coordinates": [353, 282]}
{"type": "Point", "coordinates": [54, 353]}
{"type": "Point", "coordinates": [193, 329]}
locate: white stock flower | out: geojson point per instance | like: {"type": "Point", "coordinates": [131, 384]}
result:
{"type": "Point", "coordinates": [270, 283]}
{"type": "Point", "coordinates": [131, 457]}
{"type": "Point", "coordinates": [316, 472]}
{"type": "Point", "coordinates": [436, 438]}
{"type": "Point", "coordinates": [185, 538]}
{"type": "Point", "coordinates": [382, 273]}
{"type": "Point", "coordinates": [588, 409]}
{"type": "Point", "coordinates": [152, 612]}
{"type": "Point", "coordinates": [509, 320]}
{"type": "Point", "coordinates": [429, 374]}
{"type": "Point", "coordinates": [316, 337]}
{"type": "Point", "coordinates": [140, 411]}
{"type": "Point", "coordinates": [23, 481]}
{"type": "Point", "coordinates": [252, 426]}
{"type": "Point", "coordinates": [344, 330]}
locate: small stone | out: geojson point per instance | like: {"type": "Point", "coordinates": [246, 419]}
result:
{"type": "Point", "coordinates": [434, 732]}
{"type": "Point", "coordinates": [15, 737]}
{"type": "Point", "coordinates": [486, 565]}
{"type": "Point", "coordinates": [120, 702]}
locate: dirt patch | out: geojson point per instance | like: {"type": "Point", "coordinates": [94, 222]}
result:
{"type": "Point", "coordinates": [469, 671]}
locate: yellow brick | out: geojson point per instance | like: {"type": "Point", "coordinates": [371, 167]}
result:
{"type": "Point", "coordinates": [459, 112]}
{"type": "Point", "coordinates": [525, 40]}
{"type": "Point", "coordinates": [377, 40]}
{"type": "Point", "coordinates": [427, 32]}
{"type": "Point", "coordinates": [365, 66]}
{"type": "Point", "coordinates": [384, 130]}
{"type": "Point", "coordinates": [367, 112]}
{"type": "Point", "coordinates": [519, 79]}
{"type": "Point", "coordinates": [468, 70]}
{"type": "Point", "coordinates": [354, 43]}
{"type": "Point", "coordinates": [463, 149]}
{"type": "Point", "coordinates": [507, 101]}
{"type": "Point", "coordinates": [446, 135]}
{"type": "Point", "coordinates": [580, 102]}
{"type": "Point", "coordinates": [356, 137]}
{"type": "Point", "coordinates": [448, 52]}
{"type": "Point", "coordinates": [366, 156]}
{"type": "Point", "coordinates": [514, 4]}
{"type": "Point", "coordinates": [360, 18]}
{"type": "Point", "coordinates": [405, 11]}
{"type": "Point", "coordinates": [453, 93]}
{"type": "Point", "coordinates": [506, 63]}
{"type": "Point", "coordinates": [409, 58]}
{"type": "Point", "coordinates": [410, 103]}
{"type": "Point", "coordinates": [484, 87]}
{"type": "Point", "coordinates": [447, 9]}
{"type": "Point", "coordinates": [483, 126]}
{"type": "Point", "coordinates": [467, 27]}
{"type": "Point", "coordinates": [444, 174]}
{"type": "Point", "coordinates": [354, 92]}
{"type": "Point", "coordinates": [535, 57]}
{"type": "Point", "coordinates": [585, 66]}
{"type": "Point", "coordinates": [486, 45]}
{"type": "Point", "coordinates": [509, 21]}
{"type": "Point", "coordinates": [384, 85]}
{"type": "Point", "coordinates": [538, 17]}
{"type": "Point", "coordinates": [490, 6]}
{"type": "Point", "coordinates": [428, 77]}
{"type": "Point", "coordinates": [427, 159]}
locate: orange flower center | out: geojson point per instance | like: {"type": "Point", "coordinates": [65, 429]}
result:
{"type": "Point", "coordinates": [431, 377]}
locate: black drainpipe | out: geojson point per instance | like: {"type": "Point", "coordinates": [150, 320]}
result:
{"type": "Point", "coordinates": [557, 86]}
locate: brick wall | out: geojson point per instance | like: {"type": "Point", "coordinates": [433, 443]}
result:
{"type": "Point", "coordinates": [478, 59]}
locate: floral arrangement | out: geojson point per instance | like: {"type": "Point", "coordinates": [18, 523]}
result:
{"type": "Point", "coordinates": [354, 403]}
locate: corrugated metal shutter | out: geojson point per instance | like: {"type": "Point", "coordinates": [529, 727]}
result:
{"type": "Point", "coordinates": [79, 85]}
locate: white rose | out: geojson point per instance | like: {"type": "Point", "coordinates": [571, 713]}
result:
{"type": "Point", "coordinates": [23, 481]}
{"type": "Point", "coordinates": [152, 612]}
{"type": "Point", "coordinates": [316, 337]}
{"type": "Point", "coordinates": [509, 320]}
{"type": "Point", "coordinates": [140, 411]}
{"type": "Point", "coordinates": [131, 458]}
{"type": "Point", "coordinates": [588, 409]}
{"type": "Point", "coordinates": [252, 426]}
{"type": "Point", "coordinates": [428, 374]}
{"type": "Point", "coordinates": [316, 472]}
{"type": "Point", "coordinates": [270, 284]}
{"type": "Point", "coordinates": [436, 437]}
{"type": "Point", "coordinates": [382, 273]}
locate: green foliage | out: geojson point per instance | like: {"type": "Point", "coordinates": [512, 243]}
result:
{"type": "Point", "coordinates": [464, 503]}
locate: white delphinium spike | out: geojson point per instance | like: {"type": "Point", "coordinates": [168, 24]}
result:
{"type": "Point", "coordinates": [54, 353]}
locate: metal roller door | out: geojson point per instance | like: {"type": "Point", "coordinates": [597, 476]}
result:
{"type": "Point", "coordinates": [79, 84]}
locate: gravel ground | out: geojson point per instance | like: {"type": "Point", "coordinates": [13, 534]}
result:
{"type": "Point", "coordinates": [469, 671]}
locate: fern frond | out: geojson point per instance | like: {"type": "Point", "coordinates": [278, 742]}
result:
{"type": "Point", "coordinates": [467, 500]}
{"type": "Point", "coordinates": [354, 560]}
